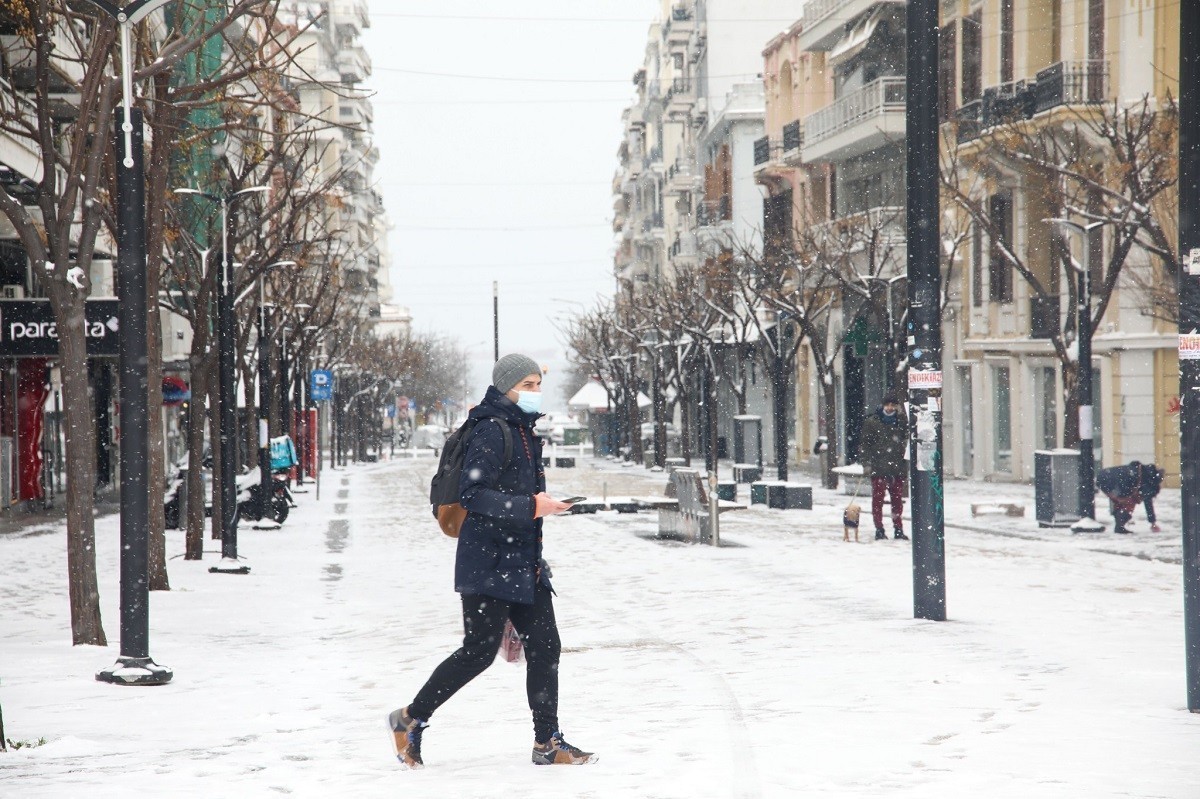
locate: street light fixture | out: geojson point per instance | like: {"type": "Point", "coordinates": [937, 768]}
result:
{"type": "Point", "coordinates": [134, 666]}
{"type": "Point", "coordinates": [227, 384]}
{"type": "Point", "coordinates": [1083, 334]}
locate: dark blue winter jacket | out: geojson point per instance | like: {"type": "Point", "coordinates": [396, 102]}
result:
{"type": "Point", "coordinates": [500, 544]}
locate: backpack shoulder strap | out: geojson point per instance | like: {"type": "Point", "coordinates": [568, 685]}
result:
{"type": "Point", "coordinates": [508, 442]}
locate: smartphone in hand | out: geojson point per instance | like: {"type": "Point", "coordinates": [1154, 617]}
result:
{"type": "Point", "coordinates": [573, 500]}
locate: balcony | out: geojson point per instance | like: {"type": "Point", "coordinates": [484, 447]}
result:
{"type": "Point", "coordinates": [652, 222]}
{"type": "Point", "coordinates": [685, 246]}
{"type": "Point", "coordinates": [1071, 83]}
{"type": "Point", "coordinates": [680, 96]}
{"type": "Point", "coordinates": [653, 159]}
{"type": "Point", "coordinates": [969, 118]}
{"type": "Point", "coordinates": [351, 16]}
{"type": "Point", "coordinates": [712, 212]}
{"type": "Point", "coordinates": [883, 225]}
{"type": "Point", "coordinates": [824, 21]}
{"type": "Point", "coordinates": [679, 26]}
{"type": "Point", "coordinates": [858, 122]}
{"type": "Point", "coordinates": [1065, 83]}
{"type": "Point", "coordinates": [1044, 316]}
{"type": "Point", "coordinates": [681, 176]}
{"type": "Point", "coordinates": [354, 64]}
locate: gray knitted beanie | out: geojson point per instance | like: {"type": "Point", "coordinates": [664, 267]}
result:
{"type": "Point", "coordinates": [512, 369]}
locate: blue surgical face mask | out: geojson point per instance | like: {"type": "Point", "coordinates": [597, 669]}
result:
{"type": "Point", "coordinates": [529, 401]}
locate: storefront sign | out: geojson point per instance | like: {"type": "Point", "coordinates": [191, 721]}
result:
{"type": "Point", "coordinates": [28, 329]}
{"type": "Point", "coordinates": [924, 381]}
{"type": "Point", "coordinates": [1189, 347]}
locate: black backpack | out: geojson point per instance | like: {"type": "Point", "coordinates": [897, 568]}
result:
{"type": "Point", "coordinates": [443, 489]}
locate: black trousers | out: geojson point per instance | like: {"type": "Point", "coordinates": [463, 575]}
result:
{"type": "Point", "coordinates": [483, 623]}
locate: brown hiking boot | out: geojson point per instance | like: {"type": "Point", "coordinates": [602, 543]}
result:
{"type": "Point", "coordinates": [557, 752]}
{"type": "Point", "coordinates": [406, 732]}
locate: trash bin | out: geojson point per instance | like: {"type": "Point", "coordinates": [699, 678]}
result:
{"type": "Point", "coordinates": [1056, 487]}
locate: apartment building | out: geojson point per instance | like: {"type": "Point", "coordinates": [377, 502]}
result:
{"type": "Point", "coordinates": [832, 162]}
{"type": "Point", "coordinates": [330, 53]}
{"type": "Point", "coordinates": [1055, 67]}
{"type": "Point", "coordinates": [832, 159]}
{"type": "Point", "coordinates": [685, 190]}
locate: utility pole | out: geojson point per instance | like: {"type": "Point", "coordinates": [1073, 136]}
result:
{"type": "Point", "coordinates": [1189, 336]}
{"type": "Point", "coordinates": [925, 324]}
{"type": "Point", "coordinates": [496, 320]}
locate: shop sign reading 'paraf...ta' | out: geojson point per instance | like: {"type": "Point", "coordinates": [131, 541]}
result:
{"type": "Point", "coordinates": [28, 329]}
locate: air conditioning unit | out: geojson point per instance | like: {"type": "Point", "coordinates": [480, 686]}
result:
{"type": "Point", "coordinates": [14, 292]}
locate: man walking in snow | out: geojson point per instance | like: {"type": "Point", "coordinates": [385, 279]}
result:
{"type": "Point", "coordinates": [882, 446]}
{"type": "Point", "coordinates": [498, 568]}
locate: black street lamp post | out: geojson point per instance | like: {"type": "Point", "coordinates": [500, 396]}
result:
{"type": "Point", "coordinates": [1189, 337]}
{"type": "Point", "coordinates": [924, 332]}
{"type": "Point", "coordinates": [265, 341]}
{"type": "Point", "coordinates": [230, 563]}
{"type": "Point", "coordinates": [134, 666]}
{"type": "Point", "coordinates": [1083, 333]}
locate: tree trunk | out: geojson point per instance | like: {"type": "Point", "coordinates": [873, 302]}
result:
{"type": "Point", "coordinates": [685, 420]}
{"type": "Point", "coordinates": [86, 626]}
{"type": "Point", "coordinates": [829, 478]}
{"type": "Point", "coordinates": [779, 414]}
{"type": "Point", "coordinates": [250, 384]}
{"type": "Point", "coordinates": [214, 424]}
{"type": "Point", "coordinates": [157, 556]}
{"type": "Point", "coordinates": [635, 426]}
{"type": "Point", "coordinates": [197, 417]}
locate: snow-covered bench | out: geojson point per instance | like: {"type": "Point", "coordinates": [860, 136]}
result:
{"type": "Point", "coordinates": [686, 513]}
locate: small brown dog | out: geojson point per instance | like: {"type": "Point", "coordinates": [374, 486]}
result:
{"type": "Point", "coordinates": [850, 521]}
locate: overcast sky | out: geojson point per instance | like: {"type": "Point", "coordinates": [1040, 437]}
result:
{"type": "Point", "coordinates": [498, 126]}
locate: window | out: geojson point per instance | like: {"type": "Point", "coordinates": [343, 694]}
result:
{"type": "Point", "coordinates": [966, 412]}
{"type": "Point", "coordinates": [1001, 420]}
{"type": "Point", "coordinates": [972, 57]}
{"type": "Point", "coordinates": [1006, 40]}
{"type": "Point", "coordinates": [1095, 29]}
{"type": "Point", "coordinates": [1000, 271]}
{"type": "Point", "coordinates": [947, 90]}
{"type": "Point", "coordinates": [1045, 416]}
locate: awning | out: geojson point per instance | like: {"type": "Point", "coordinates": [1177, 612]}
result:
{"type": "Point", "coordinates": [855, 41]}
{"type": "Point", "coordinates": [593, 397]}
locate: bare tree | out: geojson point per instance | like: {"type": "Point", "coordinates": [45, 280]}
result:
{"type": "Point", "coordinates": [1112, 164]}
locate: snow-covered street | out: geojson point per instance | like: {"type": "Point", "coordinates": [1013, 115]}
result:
{"type": "Point", "coordinates": [786, 663]}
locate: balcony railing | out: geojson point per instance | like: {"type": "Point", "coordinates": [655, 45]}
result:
{"type": "Point", "coordinates": [856, 231]}
{"type": "Point", "coordinates": [872, 100]}
{"type": "Point", "coordinates": [968, 117]}
{"type": "Point", "coordinates": [793, 136]}
{"type": "Point", "coordinates": [1063, 83]}
{"type": "Point", "coordinates": [817, 10]}
{"type": "Point", "coordinates": [1044, 316]}
{"type": "Point", "coordinates": [712, 212]}
{"type": "Point", "coordinates": [653, 221]}
{"type": "Point", "coordinates": [1071, 83]}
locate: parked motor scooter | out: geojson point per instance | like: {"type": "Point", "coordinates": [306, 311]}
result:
{"type": "Point", "coordinates": [249, 489]}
